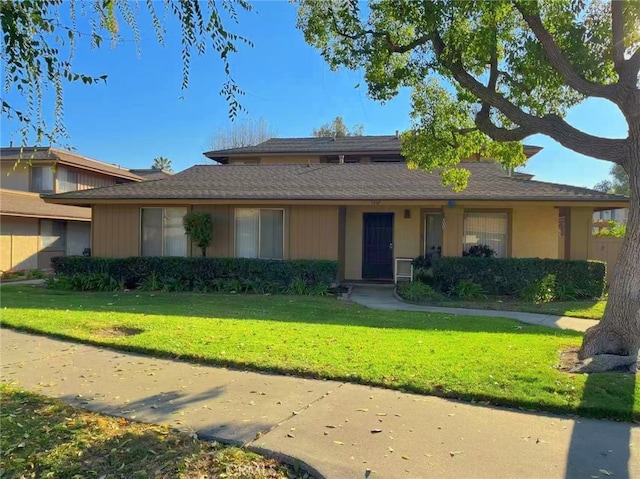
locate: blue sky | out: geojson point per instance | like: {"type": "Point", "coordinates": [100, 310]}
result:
{"type": "Point", "coordinates": [142, 113]}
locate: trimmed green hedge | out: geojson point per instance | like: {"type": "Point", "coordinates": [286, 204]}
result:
{"type": "Point", "coordinates": [509, 276]}
{"type": "Point", "coordinates": [189, 271]}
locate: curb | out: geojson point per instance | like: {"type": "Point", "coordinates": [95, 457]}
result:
{"type": "Point", "coordinates": [263, 451]}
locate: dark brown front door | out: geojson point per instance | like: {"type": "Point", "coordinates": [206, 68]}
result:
{"type": "Point", "coordinates": [377, 246]}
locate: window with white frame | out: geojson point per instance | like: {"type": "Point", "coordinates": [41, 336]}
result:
{"type": "Point", "coordinates": [162, 232]}
{"type": "Point", "coordinates": [489, 229]}
{"type": "Point", "coordinates": [52, 234]}
{"type": "Point", "coordinates": [260, 233]}
{"type": "Point", "coordinates": [67, 180]}
{"type": "Point", "coordinates": [41, 179]}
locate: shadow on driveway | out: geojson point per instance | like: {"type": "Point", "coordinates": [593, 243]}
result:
{"type": "Point", "coordinates": [592, 452]}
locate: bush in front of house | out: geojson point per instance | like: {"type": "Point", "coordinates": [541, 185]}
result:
{"type": "Point", "coordinates": [418, 292]}
{"type": "Point", "coordinates": [467, 289]}
{"type": "Point", "coordinates": [202, 274]}
{"type": "Point", "coordinates": [575, 279]}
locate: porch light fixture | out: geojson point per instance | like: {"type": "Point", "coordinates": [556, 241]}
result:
{"type": "Point", "coordinates": [451, 203]}
{"type": "Point", "coordinates": [407, 214]}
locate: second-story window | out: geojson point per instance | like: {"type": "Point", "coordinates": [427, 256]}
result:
{"type": "Point", "coordinates": [41, 179]}
{"type": "Point", "coordinates": [67, 180]}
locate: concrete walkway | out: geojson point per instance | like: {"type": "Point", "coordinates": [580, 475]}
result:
{"type": "Point", "coordinates": [23, 282]}
{"type": "Point", "coordinates": [382, 297]}
{"type": "Point", "coordinates": [342, 430]}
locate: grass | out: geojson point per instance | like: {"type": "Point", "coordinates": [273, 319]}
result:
{"type": "Point", "coordinates": [588, 309]}
{"type": "Point", "coordinates": [496, 360]}
{"type": "Point", "coordinates": [44, 437]}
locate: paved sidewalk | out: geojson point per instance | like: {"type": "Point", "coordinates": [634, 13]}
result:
{"type": "Point", "coordinates": [23, 282]}
{"type": "Point", "coordinates": [382, 297]}
{"type": "Point", "coordinates": [341, 430]}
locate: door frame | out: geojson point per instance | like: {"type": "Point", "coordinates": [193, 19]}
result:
{"type": "Point", "coordinates": [364, 249]}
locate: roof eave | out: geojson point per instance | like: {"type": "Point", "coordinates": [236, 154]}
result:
{"type": "Point", "coordinates": [87, 201]}
{"type": "Point", "coordinates": [221, 157]}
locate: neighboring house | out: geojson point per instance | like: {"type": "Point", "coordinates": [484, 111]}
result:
{"type": "Point", "coordinates": [32, 231]}
{"type": "Point", "coordinates": [601, 218]}
{"type": "Point", "coordinates": [149, 174]}
{"type": "Point", "coordinates": [348, 199]}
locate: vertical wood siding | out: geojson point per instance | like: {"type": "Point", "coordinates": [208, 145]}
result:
{"type": "Point", "coordinates": [88, 180]}
{"type": "Point", "coordinates": [222, 244]}
{"type": "Point", "coordinates": [313, 232]}
{"type": "Point", "coordinates": [115, 231]}
{"type": "Point", "coordinates": [606, 249]}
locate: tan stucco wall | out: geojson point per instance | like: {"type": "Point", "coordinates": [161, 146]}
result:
{"type": "Point", "coordinates": [17, 179]}
{"type": "Point", "coordinates": [19, 243]}
{"type": "Point", "coordinates": [534, 232]}
{"type": "Point", "coordinates": [580, 223]}
{"type": "Point", "coordinates": [453, 231]}
{"type": "Point", "coordinates": [406, 236]}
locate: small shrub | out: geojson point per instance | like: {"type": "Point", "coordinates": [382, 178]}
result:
{"type": "Point", "coordinates": [60, 283]}
{"type": "Point", "coordinates": [569, 292]}
{"type": "Point", "coordinates": [35, 274]}
{"type": "Point", "coordinates": [319, 290]}
{"type": "Point", "coordinates": [614, 230]}
{"type": "Point", "coordinates": [467, 289]}
{"type": "Point", "coordinates": [170, 284]}
{"type": "Point", "coordinates": [298, 287]}
{"type": "Point", "coordinates": [199, 227]}
{"type": "Point", "coordinates": [417, 291]}
{"type": "Point", "coordinates": [480, 251]}
{"type": "Point", "coordinates": [151, 282]}
{"type": "Point", "coordinates": [201, 286]}
{"type": "Point", "coordinates": [542, 291]}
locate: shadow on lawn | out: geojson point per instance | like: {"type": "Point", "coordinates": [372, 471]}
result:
{"type": "Point", "coordinates": [596, 451]}
{"type": "Point", "coordinates": [288, 309]}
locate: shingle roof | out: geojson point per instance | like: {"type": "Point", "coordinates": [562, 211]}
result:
{"type": "Point", "coordinates": [376, 181]}
{"type": "Point", "coordinates": [21, 203]}
{"type": "Point", "coordinates": [26, 154]}
{"type": "Point", "coordinates": [346, 144]}
{"type": "Point", "coordinates": [151, 173]}
{"type": "Point", "coordinates": [324, 146]}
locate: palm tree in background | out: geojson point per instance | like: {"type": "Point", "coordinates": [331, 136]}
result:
{"type": "Point", "coordinates": [161, 163]}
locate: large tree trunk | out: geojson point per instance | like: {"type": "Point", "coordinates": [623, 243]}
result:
{"type": "Point", "coordinates": [619, 330]}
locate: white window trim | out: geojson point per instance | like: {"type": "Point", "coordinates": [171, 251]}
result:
{"type": "Point", "coordinates": [163, 223]}
{"type": "Point", "coordinates": [284, 229]}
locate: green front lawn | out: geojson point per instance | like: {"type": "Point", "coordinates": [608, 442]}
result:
{"type": "Point", "coordinates": [44, 437]}
{"type": "Point", "coordinates": [473, 358]}
{"type": "Point", "coordinates": [588, 309]}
